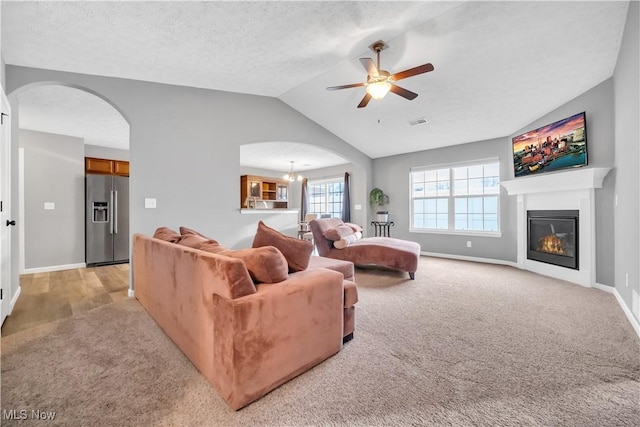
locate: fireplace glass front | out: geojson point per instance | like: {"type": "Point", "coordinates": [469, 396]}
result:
{"type": "Point", "coordinates": [553, 237]}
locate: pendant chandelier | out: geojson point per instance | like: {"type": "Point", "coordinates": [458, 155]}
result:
{"type": "Point", "coordinates": [292, 176]}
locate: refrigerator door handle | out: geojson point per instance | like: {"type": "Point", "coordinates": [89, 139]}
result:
{"type": "Point", "coordinates": [115, 212]}
{"type": "Point", "coordinates": [111, 212]}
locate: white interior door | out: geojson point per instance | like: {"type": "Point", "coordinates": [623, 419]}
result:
{"type": "Point", "coordinates": [5, 214]}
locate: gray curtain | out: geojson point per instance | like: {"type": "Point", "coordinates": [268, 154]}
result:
{"type": "Point", "coordinates": [346, 200]}
{"type": "Point", "coordinates": [304, 204]}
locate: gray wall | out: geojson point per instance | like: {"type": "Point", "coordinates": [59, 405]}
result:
{"type": "Point", "coordinates": [184, 147]}
{"type": "Point", "coordinates": [105, 152]}
{"type": "Point", "coordinates": [627, 141]}
{"type": "Point", "coordinates": [392, 175]}
{"type": "Point", "coordinates": [599, 106]}
{"type": "Point", "coordinates": [53, 172]}
{"type": "Point", "coordinates": [2, 72]}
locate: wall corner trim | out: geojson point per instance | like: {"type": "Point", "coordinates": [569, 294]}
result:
{"type": "Point", "coordinates": [632, 319]}
{"type": "Point", "coordinates": [14, 300]}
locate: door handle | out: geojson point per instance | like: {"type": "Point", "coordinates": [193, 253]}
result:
{"type": "Point", "coordinates": [110, 212]}
{"type": "Point", "coordinates": [13, 222]}
{"type": "Point", "coordinates": [115, 212]}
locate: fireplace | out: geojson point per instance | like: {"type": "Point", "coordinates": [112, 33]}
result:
{"type": "Point", "coordinates": [552, 237]}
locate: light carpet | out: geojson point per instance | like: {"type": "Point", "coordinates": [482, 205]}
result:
{"type": "Point", "coordinates": [464, 344]}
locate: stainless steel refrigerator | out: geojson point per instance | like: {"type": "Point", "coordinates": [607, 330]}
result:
{"type": "Point", "coordinates": [107, 219]}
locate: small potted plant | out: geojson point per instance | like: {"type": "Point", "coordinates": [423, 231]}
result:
{"type": "Point", "coordinates": [377, 198]}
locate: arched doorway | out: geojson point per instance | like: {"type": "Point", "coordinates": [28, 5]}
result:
{"type": "Point", "coordinates": [58, 126]}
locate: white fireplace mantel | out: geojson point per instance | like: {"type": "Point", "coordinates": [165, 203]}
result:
{"type": "Point", "coordinates": [577, 179]}
{"type": "Point", "coordinates": [572, 189]}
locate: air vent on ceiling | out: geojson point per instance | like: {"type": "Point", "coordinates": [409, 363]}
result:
{"type": "Point", "coordinates": [418, 121]}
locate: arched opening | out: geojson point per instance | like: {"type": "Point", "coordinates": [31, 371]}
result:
{"type": "Point", "coordinates": [58, 126]}
{"type": "Point", "coordinates": [323, 168]}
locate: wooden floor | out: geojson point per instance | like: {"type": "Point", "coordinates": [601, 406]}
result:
{"type": "Point", "coordinates": [46, 297]}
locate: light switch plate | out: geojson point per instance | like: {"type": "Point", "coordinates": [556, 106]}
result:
{"type": "Point", "coordinates": [150, 203]}
{"type": "Point", "coordinates": [49, 206]}
{"type": "Point", "coordinates": [357, 207]}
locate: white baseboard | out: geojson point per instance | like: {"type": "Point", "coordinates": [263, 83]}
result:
{"type": "Point", "coordinates": [630, 316]}
{"type": "Point", "coordinates": [54, 268]}
{"type": "Point", "coordinates": [471, 258]}
{"type": "Point", "coordinates": [14, 300]}
{"type": "Point", "coordinates": [605, 288]}
{"type": "Point", "coordinates": [131, 293]}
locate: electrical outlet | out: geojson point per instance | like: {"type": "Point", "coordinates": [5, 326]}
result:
{"type": "Point", "coordinates": [468, 243]}
{"type": "Point", "coordinates": [357, 207]}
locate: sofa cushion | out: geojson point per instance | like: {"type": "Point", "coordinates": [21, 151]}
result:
{"type": "Point", "coordinates": [350, 293]}
{"type": "Point", "coordinates": [338, 232]}
{"type": "Point", "coordinates": [296, 251]}
{"type": "Point", "coordinates": [265, 264]}
{"type": "Point", "coordinates": [193, 239]}
{"type": "Point", "coordinates": [344, 267]}
{"type": "Point", "coordinates": [167, 234]}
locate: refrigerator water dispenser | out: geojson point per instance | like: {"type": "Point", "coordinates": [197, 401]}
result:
{"type": "Point", "coordinates": [100, 212]}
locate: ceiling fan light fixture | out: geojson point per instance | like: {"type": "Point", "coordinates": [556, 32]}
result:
{"type": "Point", "coordinates": [378, 90]}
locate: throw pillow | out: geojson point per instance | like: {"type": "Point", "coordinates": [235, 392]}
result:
{"type": "Point", "coordinates": [345, 241]}
{"type": "Point", "coordinates": [356, 228]}
{"type": "Point", "coordinates": [166, 234]}
{"type": "Point", "coordinates": [193, 239]}
{"type": "Point", "coordinates": [296, 251]}
{"type": "Point", "coordinates": [265, 264]}
{"type": "Point", "coordinates": [338, 232]}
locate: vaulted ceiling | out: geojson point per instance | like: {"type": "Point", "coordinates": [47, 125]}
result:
{"type": "Point", "coordinates": [498, 65]}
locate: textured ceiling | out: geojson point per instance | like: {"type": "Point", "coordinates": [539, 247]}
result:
{"type": "Point", "coordinates": [498, 65]}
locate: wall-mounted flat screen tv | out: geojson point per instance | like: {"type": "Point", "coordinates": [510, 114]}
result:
{"type": "Point", "coordinates": [559, 145]}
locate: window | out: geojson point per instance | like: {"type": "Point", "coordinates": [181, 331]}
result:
{"type": "Point", "coordinates": [325, 197]}
{"type": "Point", "coordinates": [459, 198]}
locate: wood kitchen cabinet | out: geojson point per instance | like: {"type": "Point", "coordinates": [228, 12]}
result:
{"type": "Point", "coordinates": [106, 166]}
{"type": "Point", "coordinates": [259, 189]}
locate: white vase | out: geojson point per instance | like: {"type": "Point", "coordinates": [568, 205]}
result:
{"type": "Point", "coordinates": [382, 216]}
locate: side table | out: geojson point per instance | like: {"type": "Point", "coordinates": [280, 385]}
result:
{"type": "Point", "coordinates": [382, 229]}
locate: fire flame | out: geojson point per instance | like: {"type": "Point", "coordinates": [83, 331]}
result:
{"type": "Point", "coordinates": [551, 244]}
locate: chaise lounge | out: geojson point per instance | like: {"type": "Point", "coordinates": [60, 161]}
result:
{"type": "Point", "coordinates": [381, 251]}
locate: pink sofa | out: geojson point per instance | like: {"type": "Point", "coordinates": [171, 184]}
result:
{"type": "Point", "coordinates": [245, 340]}
{"type": "Point", "coordinates": [382, 251]}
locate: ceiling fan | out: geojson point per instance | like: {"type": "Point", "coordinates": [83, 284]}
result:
{"type": "Point", "coordinates": [380, 82]}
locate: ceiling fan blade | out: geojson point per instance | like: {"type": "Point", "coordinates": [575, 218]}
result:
{"type": "Point", "coordinates": [364, 101]}
{"type": "Point", "coordinates": [370, 66]}
{"type": "Point", "coordinates": [424, 68]}
{"type": "Point", "coordinates": [403, 92]}
{"type": "Point", "coordinates": [345, 86]}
